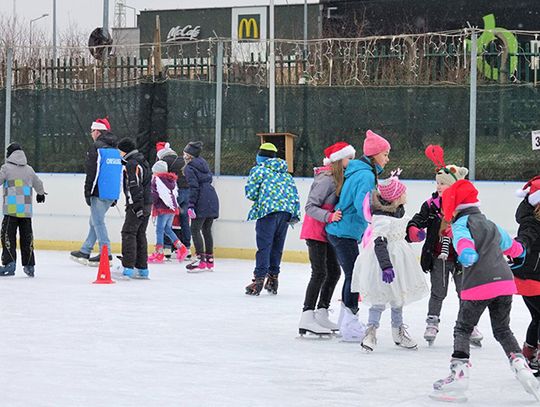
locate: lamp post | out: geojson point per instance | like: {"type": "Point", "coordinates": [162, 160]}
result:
{"type": "Point", "coordinates": [31, 22]}
{"type": "Point", "coordinates": [54, 33]}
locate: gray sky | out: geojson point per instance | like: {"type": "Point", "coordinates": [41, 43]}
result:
{"type": "Point", "coordinates": [88, 14]}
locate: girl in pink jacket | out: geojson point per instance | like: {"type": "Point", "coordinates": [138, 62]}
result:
{"type": "Point", "coordinates": [325, 270]}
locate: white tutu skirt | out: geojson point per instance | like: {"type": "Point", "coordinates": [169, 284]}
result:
{"type": "Point", "coordinates": [409, 284]}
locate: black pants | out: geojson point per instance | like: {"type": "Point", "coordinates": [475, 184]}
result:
{"type": "Point", "coordinates": [533, 332]}
{"type": "Point", "coordinates": [9, 240]}
{"type": "Point", "coordinates": [203, 225]}
{"type": "Point", "coordinates": [134, 243]}
{"type": "Point", "coordinates": [468, 317]}
{"type": "Point", "coordinates": [325, 274]}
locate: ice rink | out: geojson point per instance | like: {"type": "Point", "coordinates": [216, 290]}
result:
{"type": "Point", "coordinates": [197, 340]}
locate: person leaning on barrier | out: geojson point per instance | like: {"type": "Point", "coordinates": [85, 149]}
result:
{"type": "Point", "coordinates": [101, 188]}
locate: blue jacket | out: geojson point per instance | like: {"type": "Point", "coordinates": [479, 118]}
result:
{"type": "Point", "coordinates": [359, 180]}
{"type": "Point", "coordinates": [202, 195]}
{"type": "Point", "coordinates": [103, 168]}
{"type": "Point", "coordinates": [272, 189]}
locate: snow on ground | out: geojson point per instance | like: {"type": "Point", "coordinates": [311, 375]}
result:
{"type": "Point", "coordinates": [197, 340]}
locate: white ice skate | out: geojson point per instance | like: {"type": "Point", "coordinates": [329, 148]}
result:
{"type": "Point", "coordinates": [370, 340]}
{"type": "Point", "coordinates": [476, 337]}
{"type": "Point", "coordinates": [525, 375]}
{"type": "Point", "coordinates": [402, 338]}
{"type": "Point", "coordinates": [321, 316]}
{"type": "Point", "coordinates": [308, 324]}
{"type": "Point", "coordinates": [352, 330]}
{"type": "Point", "coordinates": [453, 388]}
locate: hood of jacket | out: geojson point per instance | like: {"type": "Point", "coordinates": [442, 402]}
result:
{"type": "Point", "coordinates": [381, 207]}
{"type": "Point", "coordinates": [132, 154]}
{"type": "Point", "coordinates": [355, 166]}
{"type": "Point", "coordinates": [106, 140]}
{"type": "Point", "coordinates": [18, 158]}
{"type": "Point", "coordinates": [200, 165]}
{"type": "Point", "coordinates": [322, 170]}
{"type": "Point", "coordinates": [275, 165]}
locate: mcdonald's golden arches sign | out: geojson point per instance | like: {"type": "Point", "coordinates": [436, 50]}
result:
{"type": "Point", "coordinates": [249, 27]}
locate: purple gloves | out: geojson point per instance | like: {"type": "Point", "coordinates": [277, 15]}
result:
{"type": "Point", "coordinates": [191, 213]}
{"type": "Point", "coordinates": [388, 275]}
{"type": "Point", "coordinates": [416, 235]}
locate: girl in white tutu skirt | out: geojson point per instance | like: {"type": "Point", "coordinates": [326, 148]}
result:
{"type": "Point", "coordinates": [387, 270]}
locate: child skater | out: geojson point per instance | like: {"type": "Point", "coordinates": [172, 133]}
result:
{"type": "Point", "coordinates": [164, 207]}
{"type": "Point", "coordinates": [487, 283]}
{"type": "Point", "coordinates": [387, 271]}
{"type": "Point", "coordinates": [276, 205]}
{"type": "Point", "coordinates": [526, 268]}
{"type": "Point", "coordinates": [18, 179]}
{"type": "Point", "coordinates": [438, 255]}
{"type": "Point", "coordinates": [344, 236]}
{"type": "Point", "coordinates": [325, 270]}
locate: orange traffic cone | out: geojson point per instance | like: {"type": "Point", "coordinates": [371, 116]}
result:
{"type": "Point", "coordinates": [104, 270]}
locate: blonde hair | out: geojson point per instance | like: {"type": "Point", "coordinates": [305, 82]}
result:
{"type": "Point", "coordinates": [537, 212]}
{"type": "Point", "coordinates": [338, 173]}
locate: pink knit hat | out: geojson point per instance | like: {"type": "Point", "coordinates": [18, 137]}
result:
{"type": "Point", "coordinates": [392, 188]}
{"type": "Point", "coordinates": [374, 144]}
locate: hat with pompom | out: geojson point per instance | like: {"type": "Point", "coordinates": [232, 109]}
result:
{"type": "Point", "coordinates": [338, 151]}
{"type": "Point", "coordinates": [163, 149]}
{"type": "Point", "coordinates": [446, 174]}
{"type": "Point", "coordinates": [531, 190]}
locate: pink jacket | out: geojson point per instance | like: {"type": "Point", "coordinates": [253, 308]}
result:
{"type": "Point", "coordinates": [320, 204]}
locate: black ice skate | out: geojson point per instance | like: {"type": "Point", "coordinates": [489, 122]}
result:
{"type": "Point", "coordinates": [272, 283]}
{"type": "Point", "coordinates": [80, 257]}
{"type": "Point", "coordinates": [94, 261]}
{"type": "Point", "coordinates": [7, 270]}
{"type": "Point", "coordinates": [29, 270]}
{"type": "Point", "coordinates": [255, 287]}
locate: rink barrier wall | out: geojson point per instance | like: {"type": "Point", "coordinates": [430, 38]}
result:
{"type": "Point", "coordinates": [62, 222]}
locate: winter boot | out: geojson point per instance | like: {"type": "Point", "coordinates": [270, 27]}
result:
{"type": "Point", "coordinates": [321, 316]}
{"type": "Point", "coordinates": [524, 374]}
{"type": "Point", "coordinates": [453, 387]}
{"type": "Point", "coordinates": [8, 269]}
{"type": "Point", "coordinates": [158, 257]}
{"type": "Point", "coordinates": [271, 284]}
{"type": "Point", "coordinates": [402, 338]}
{"type": "Point", "coordinates": [432, 329]}
{"type": "Point", "coordinates": [29, 270]}
{"type": "Point", "coordinates": [181, 250]}
{"type": "Point", "coordinates": [80, 257]}
{"type": "Point", "coordinates": [256, 286]}
{"type": "Point", "coordinates": [370, 340]}
{"type": "Point", "coordinates": [141, 274]}
{"type": "Point", "coordinates": [351, 329]}
{"type": "Point", "coordinates": [94, 261]}
{"type": "Point", "coordinates": [530, 352]}
{"type": "Point", "coordinates": [210, 262]}
{"type": "Point", "coordinates": [476, 337]}
{"type": "Point", "coordinates": [308, 323]}
{"type": "Point", "coordinates": [198, 265]}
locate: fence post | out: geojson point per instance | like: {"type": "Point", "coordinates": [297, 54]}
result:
{"type": "Point", "coordinates": [219, 108]}
{"type": "Point", "coordinates": [9, 74]}
{"type": "Point", "coordinates": [472, 108]}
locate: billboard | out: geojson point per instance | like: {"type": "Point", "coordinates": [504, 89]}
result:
{"type": "Point", "coordinates": [248, 29]}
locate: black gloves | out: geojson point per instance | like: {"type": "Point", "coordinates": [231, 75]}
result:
{"type": "Point", "coordinates": [40, 198]}
{"type": "Point", "coordinates": [87, 198]}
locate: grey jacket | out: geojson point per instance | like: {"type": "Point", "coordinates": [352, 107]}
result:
{"type": "Point", "coordinates": [18, 180]}
{"type": "Point", "coordinates": [322, 196]}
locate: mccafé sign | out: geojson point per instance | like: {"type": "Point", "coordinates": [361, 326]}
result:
{"type": "Point", "coordinates": [179, 33]}
{"type": "Point", "coordinates": [249, 27]}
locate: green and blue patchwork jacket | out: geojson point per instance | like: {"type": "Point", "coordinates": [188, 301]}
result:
{"type": "Point", "coordinates": [272, 189]}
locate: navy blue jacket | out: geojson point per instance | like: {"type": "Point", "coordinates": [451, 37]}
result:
{"type": "Point", "coordinates": [202, 195]}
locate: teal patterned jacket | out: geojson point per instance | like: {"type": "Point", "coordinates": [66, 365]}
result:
{"type": "Point", "coordinates": [272, 189]}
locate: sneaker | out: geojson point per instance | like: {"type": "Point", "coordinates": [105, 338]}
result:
{"type": "Point", "coordinates": [524, 374]}
{"type": "Point", "coordinates": [370, 340]}
{"type": "Point", "coordinates": [80, 257]}
{"type": "Point", "coordinates": [402, 338]}
{"type": "Point", "coordinates": [8, 269]}
{"type": "Point", "coordinates": [272, 283]}
{"type": "Point", "coordinates": [308, 323]}
{"type": "Point", "coordinates": [321, 316]}
{"type": "Point", "coordinates": [255, 287]}
{"type": "Point", "coordinates": [453, 387]}
{"type": "Point", "coordinates": [141, 274]}
{"type": "Point", "coordinates": [29, 270]}
{"type": "Point", "coordinates": [94, 261]}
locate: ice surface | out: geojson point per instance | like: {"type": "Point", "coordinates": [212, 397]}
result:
{"type": "Point", "coordinates": [197, 340]}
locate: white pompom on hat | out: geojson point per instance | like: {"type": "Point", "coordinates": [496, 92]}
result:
{"type": "Point", "coordinates": [531, 190]}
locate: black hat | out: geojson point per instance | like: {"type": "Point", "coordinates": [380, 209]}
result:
{"type": "Point", "coordinates": [194, 148]}
{"type": "Point", "coordinates": [126, 145]}
{"type": "Point", "coordinates": [13, 147]}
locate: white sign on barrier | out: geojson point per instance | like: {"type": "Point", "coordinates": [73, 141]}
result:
{"type": "Point", "coordinates": [536, 140]}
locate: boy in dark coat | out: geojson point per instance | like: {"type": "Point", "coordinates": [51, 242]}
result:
{"type": "Point", "coordinates": [136, 185]}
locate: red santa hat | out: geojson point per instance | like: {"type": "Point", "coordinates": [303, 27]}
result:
{"type": "Point", "coordinates": [462, 194]}
{"type": "Point", "coordinates": [101, 124]}
{"type": "Point", "coordinates": [338, 151]}
{"type": "Point", "coordinates": [531, 190]}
